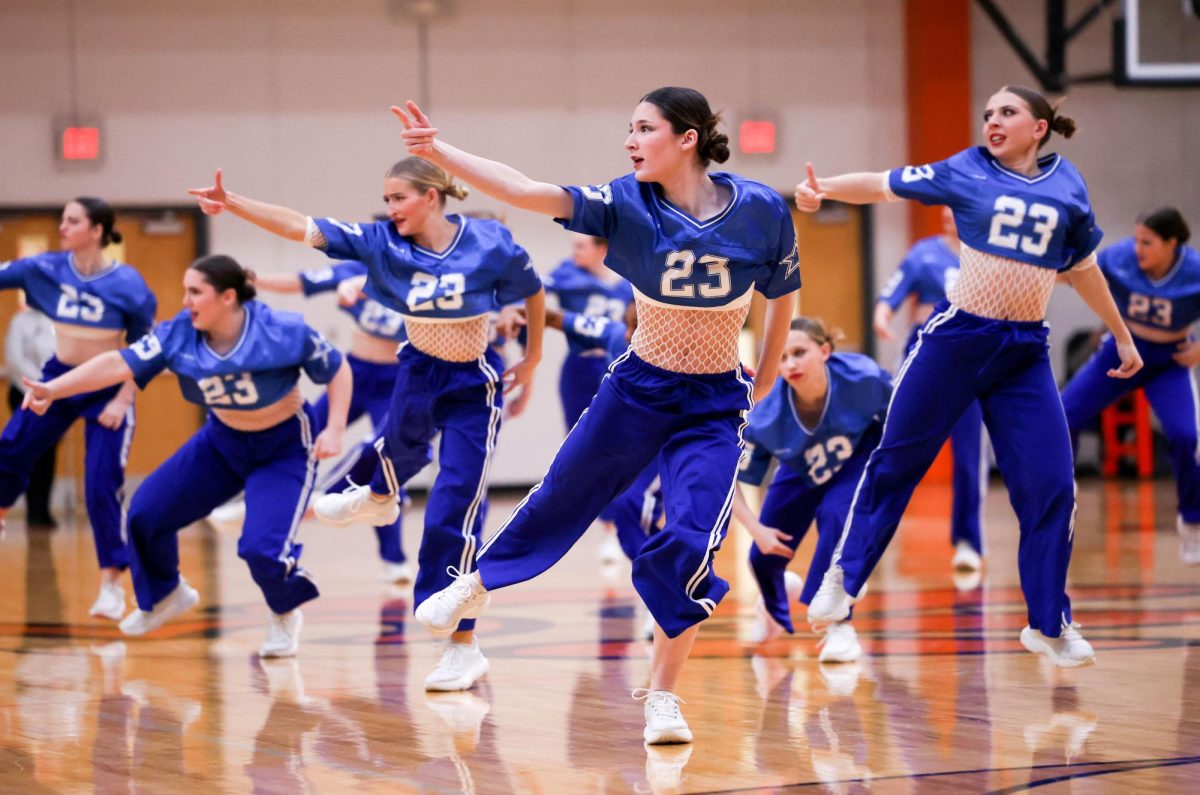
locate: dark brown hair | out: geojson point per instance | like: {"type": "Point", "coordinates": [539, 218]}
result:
{"type": "Point", "coordinates": [224, 273]}
{"type": "Point", "coordinates": [98, 212]}
{"type": "Point", "coordinates": [1041, 108]}
{"type": "Point", "coordinates": [1167, 223]}
{"type": "Point", "coordinates": [687, 109]}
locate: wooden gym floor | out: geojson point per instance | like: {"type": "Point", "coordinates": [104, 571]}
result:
{"type": "Point", "coordinates": [945, 700]}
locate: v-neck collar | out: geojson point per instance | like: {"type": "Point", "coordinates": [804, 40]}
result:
{"type": "Point", "coordinates": [462, 227]}
{"type": "Point", "coordinates": [666, 204]}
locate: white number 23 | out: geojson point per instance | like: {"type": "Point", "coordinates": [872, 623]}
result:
{"type": "Point", "coordinates": [1010, 214]}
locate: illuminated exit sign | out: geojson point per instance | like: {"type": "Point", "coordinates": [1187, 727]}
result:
{"type": "Point", "coordinates": [77, 140]}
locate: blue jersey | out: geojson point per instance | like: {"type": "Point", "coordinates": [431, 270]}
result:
{"type": "Point", "coordinates": [928, 270]}
{"type": "Point", "coordinates": [1171, 303]}
{"type": "Point", "coordinates": [857, 400]}
{"type": "Point", "coordinates": [673, 259]}
{"type": "Point", "coordinates": [482, 269]}
{"type": "Point", "coordinates": [590, 332]}
{"type": "Point", "coordinates": [115, 298]}
{"type": "Point", "coordinates": [371, 316]}
{"type": "Point", "coordinates": [580, 291]}
{"type": "Point", "coordinates": [1045, 220]}
{"type": "Point", "coordinates": [261, 369]}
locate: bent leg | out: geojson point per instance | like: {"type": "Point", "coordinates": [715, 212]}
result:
{"type": "Point", "coordinates": [1175, 400]}
{"type": "Point", "coordinates": [790, 506]}
{"type": "Point", "coordinates": [106, 451]}
{"type": "Point", "coordinates": [970, 478]}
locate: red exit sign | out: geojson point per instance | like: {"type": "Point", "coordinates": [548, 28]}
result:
{"type": "Point", "coordinates": [80, 143]}
{"type": "Point", "coordinates": [756, 137]}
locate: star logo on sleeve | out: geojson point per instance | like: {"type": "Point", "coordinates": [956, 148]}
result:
{"type": "Point", "coordinates": [791, 262]}
{"type": "Point", "coordinates": [321, 350]}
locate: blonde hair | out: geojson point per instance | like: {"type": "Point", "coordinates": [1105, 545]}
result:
{"type": "Point", "coordinates": [425, 175]}
{"type": "Point", "coordinates": [817, 331]}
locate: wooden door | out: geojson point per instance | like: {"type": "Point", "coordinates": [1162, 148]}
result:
{"type": "Point", "coordinates": [160, 244]}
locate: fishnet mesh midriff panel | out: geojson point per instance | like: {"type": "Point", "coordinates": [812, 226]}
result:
{"type": "Point", "coordinates": [453, 341]}
{"type": "Point", "coordinates": [1000, 288]}
{"type": "Point", "coordinates": [689, 340]}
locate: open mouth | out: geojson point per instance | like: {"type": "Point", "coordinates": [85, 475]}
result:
{"type": "Point", "coordinates": [637, 162]}
{"type": "Point", "coordinates": [996, 139]}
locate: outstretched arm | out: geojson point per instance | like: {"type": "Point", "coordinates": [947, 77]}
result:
{"type": "Point", "coordinates": [281, 221]}
{"type": "Point", "coordinates": [1089, 282]}
{"type": "Point", "coordinates": [278, 282]}
{"type": "Point", "coordinates": [862, 187]}
{"type": "Point", "coordinates": [768, 540]}
{"type": "Point", "coordinates": [96, 373]}
{"type": "Point", "coordinates": [495, 179]}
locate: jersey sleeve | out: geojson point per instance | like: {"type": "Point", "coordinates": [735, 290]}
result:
{"type": "Point", "coordinates": [349, 241]}
{"type": "Point", "coordinates": [13, 272]}
{"type": "Point", "coordinates": [903, 282]}
{"type": "Point", "coordinates": [141, 318]}
{"type": "Point", "coordinates": [147, 357]}
{"type": "Point", "coordinates": [929, 184]}
{"type": "Point", "coordinates": [782, 275]}
{"type": "Point", "coordinates": [519, 280]}
{"type": "Point", "coordinates": [1082, 238]}
{"type": "Point", "coordinates": [327, 279]}
{"type": "Point", "coordinates": [754, 465]}
{"type": "Point", "coordinates": [321, 360]}
{"type": "Point", "coordinates": [597, 208]}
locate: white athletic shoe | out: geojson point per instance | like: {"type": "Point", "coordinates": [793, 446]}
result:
{"type": "Point", "coordinates": [110, 603]}
{"type": "Point", "coordinates": [1068, 650]}
{"type": "Point", "coordinates": [177, 602]}
{"type": "Point", "coordinates": [459, 668]}
{"type": "Point", "coordinates": [831, 602]}
{"type": "Point", "coordinates": [355, 504]}
{"type": "Point", "coordinates": [966, 558]}
{"type": "Point", "coordinates": [230, 513]}
{"type": "Point", "coordinates": [283, 634]}
{"type": "Point", "coordinates": [840, 644]}
{"type": "Point", "coordinates": [464, 598]}
{"type": "Point", "coordinates": [610, 549]}
{"type": "Point", "coordinates": [397, 573]}
{"type": "Point", "coordinates": [664, 721]}
{"type": "Point", "coordinates": [1189, 541]}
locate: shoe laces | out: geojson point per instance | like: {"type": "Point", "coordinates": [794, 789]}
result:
{"type": "Point", "coordinates": [452, 658]}
{"type": "Point", "coordinates": [462, 588]}
{"type": "Point", "coordinates": [826, 631]}
{"type": "Point", "coordinates": [833, 581]}
{"type": "Point", "coordinates": [1070, 631]}
{"type": "Point", "coordinates": [663, 703]}
{"type": "Point", "coordinates": [361, 493]}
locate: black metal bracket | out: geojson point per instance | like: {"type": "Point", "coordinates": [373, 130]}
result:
{"type": "Point", "coordinates": [1052, 74]}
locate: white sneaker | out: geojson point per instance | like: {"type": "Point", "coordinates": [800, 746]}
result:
{"type": "Point", "coordinates": [459, 668]}
{"type": "Point", "coordinates": [1189, 541]}
{"type": "Point", "coordinates": [664, 721]}
{"type": "Point", "coordinates": [831, 602]}
{"type": "Point", "coordinates": [110, 603]}
{"type": "Point", "coordinates": [966, 558]}
{"type": "Point", "coordinates": [464, 598]}
{"type": "Point", "coordinates": [230, 513]}
{"type": "Point", "coordinates": [355, 504]}
{"type": "Point", "coordinates": [397, 573]}
{"type": "Point", "coordinates": [1068, 650]}
{"type": "Point", "coordinates": [840, 644]}
{"type": "Point", "coordinates": [283, 634]}
{"type": "Point", "coordinates": [177, 602]}
{"type": "Point", "coordinates": [610, 548]}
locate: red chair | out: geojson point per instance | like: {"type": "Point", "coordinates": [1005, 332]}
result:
{"type": "Point", "coordinates": [1130, 412]}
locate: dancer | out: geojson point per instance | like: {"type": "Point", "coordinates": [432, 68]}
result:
{"type": "Point", "coordinates": [821, 421]}
{"type": "Point", "coordinates": [241, 360]}
{"type": "Point", "coordinates": [93, 302]}
{"type": "Point", "coordinates": [1022, 219]}
{"type": "Point", "coordinates": [694, 245]}
{"type": "Point", "coordinates": [445, 274]}
{"type": "Point", "coordinates": [1155, 280]}
{"type": "Point", "coordinates": [926, 274]}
